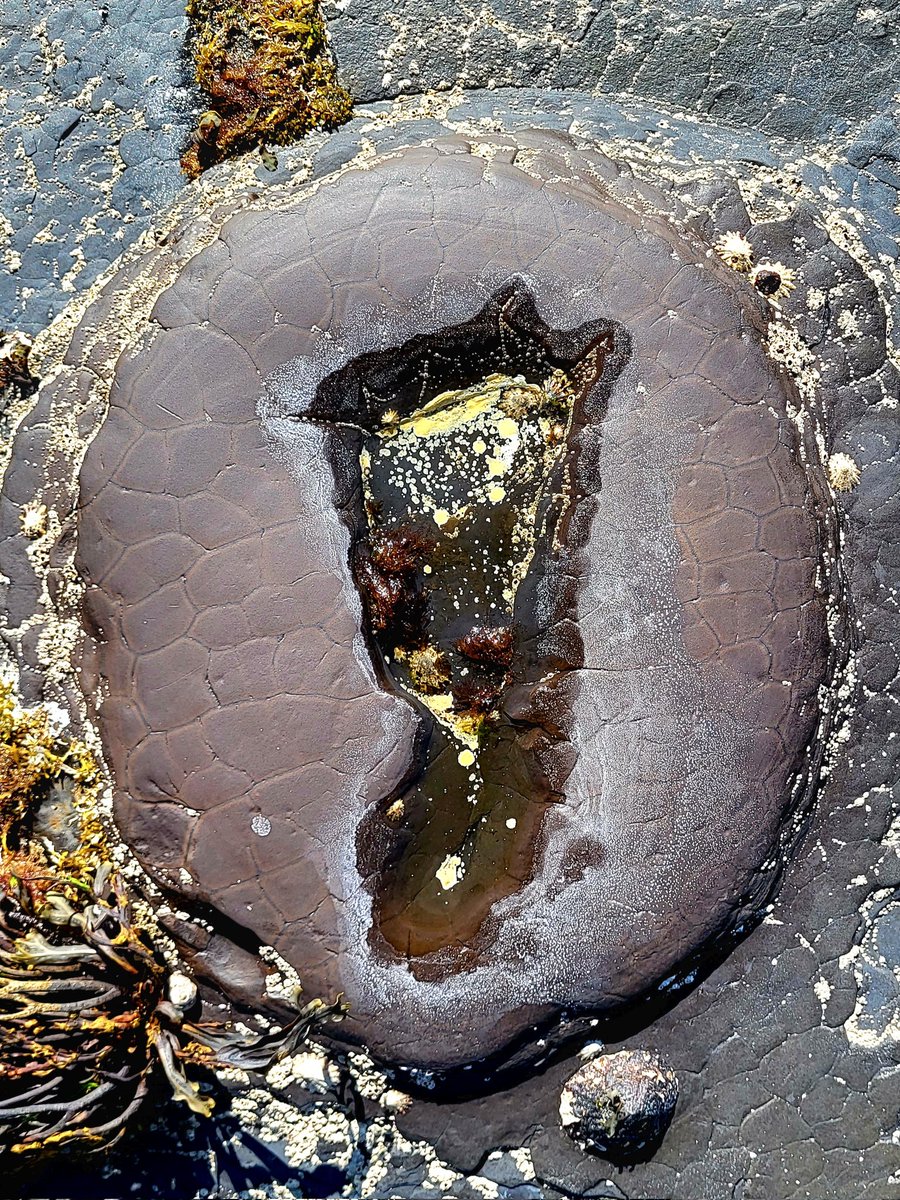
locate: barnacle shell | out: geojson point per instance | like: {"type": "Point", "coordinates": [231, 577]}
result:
{"type": "Point", "coordinates": [33, 519]}
{"type": "Point", "coordinates": [843, 472]}
{"type": "Point", "coordinates": [182, 990]}
{"type": "Point", "coordinates": [773, 280]}
{"type": "Point", "coordinates": [735, 251]}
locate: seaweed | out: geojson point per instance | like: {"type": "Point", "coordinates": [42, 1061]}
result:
{"type": "Point", "coordinates": [16, 379]}
{"type": "Point", "coordinates": [386, 569]}
{"type": "Point", "coordinates": [270, 77]}
{"type": "Point", "coordinates": [491, 645]}
{"type": "Point", "coordinates": [92, 1011]}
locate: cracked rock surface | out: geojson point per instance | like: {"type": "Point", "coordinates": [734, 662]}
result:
{"type": "Point", "coordinates": [787, 1051]}
{"type": "Point", "coordinates": [96, 102]}
{"type": "Point", "coordinates": [829, 67]}
{"type": "Point", "coordinates": [247, 735]}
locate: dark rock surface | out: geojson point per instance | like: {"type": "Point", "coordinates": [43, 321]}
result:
{"type": "Point", "coordinates": [96, 101]}
{"type": "Point", "coordinates": [787, 1052]}
{"type": "Point", "coordinates": [830, 68]}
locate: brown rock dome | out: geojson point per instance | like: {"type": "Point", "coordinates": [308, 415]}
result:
{"type": "Point", "coordinates": [330, 400]}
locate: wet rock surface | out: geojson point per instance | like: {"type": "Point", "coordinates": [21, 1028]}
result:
{"type": "Point", "coordinates": [787, 1049]}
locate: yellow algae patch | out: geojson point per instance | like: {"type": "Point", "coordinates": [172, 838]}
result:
{"type": "Point", "coordinates": [450, 872]}
{"type": "Point", "coordinates": [496, 494]}
{"type": "Point", "coordinates": [441, 516]}
{"type": "Point", "coordinates": [449, 410]}
{"type": "Point", "coordinates": [465, 758]}
{"type": "Point", "coordinates": [496, 466]}
{"type": "Point", "coordinates": [479, 446]}
{"type": "Point", "coordinates": [459, 724]}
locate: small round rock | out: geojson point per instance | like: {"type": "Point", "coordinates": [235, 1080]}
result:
{"type": "Point", "coordinates": [182, 991]}
{"type": "Point", "coordinates": [619, 1104]}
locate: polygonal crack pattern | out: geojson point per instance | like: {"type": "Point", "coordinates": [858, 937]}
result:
{"type": "Point", "coordinates": [256, 743]}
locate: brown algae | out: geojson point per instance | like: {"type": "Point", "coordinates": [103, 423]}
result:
{"type": "Point", "coordinates": [92, 1011]}
{"type": "Point", "coordinates": [269, 75]}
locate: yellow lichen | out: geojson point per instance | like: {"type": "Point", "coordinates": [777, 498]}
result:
{"type": "Point", "coordinates": [32, 755]}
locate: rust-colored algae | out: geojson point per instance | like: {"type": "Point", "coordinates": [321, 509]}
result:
{"type": "Point", "coordinates": [268, 72]}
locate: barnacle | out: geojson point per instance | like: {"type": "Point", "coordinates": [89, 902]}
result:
{"type": "Point", "coordinates": [735, 251]}
{"type": "Point", "coordinates": [33, 519]}
{"type": "Point", "coordinates": [267, 70]}
{"type": "Point", "coordinates": [773, 280]}
{"type": "Point", "coordinates": [843, 472]}
{"type": "Point", "coordinates": [559, 392]}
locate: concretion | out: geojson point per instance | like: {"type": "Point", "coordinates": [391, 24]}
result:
{"type": "Point", "coordinates": [247, 717]}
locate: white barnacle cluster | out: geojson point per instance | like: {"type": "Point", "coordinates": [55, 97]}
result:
{"type": "Point", "coordinates": [308, 1137]}
{"type": "Point", "coordinates": [311, 1069]}
{"type": "Point", "coordinates": [282, 981]}
{"type": "Point", "coordinates": [368, 1081]}
{"type": "Point", "coordinates": [771, 279]}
